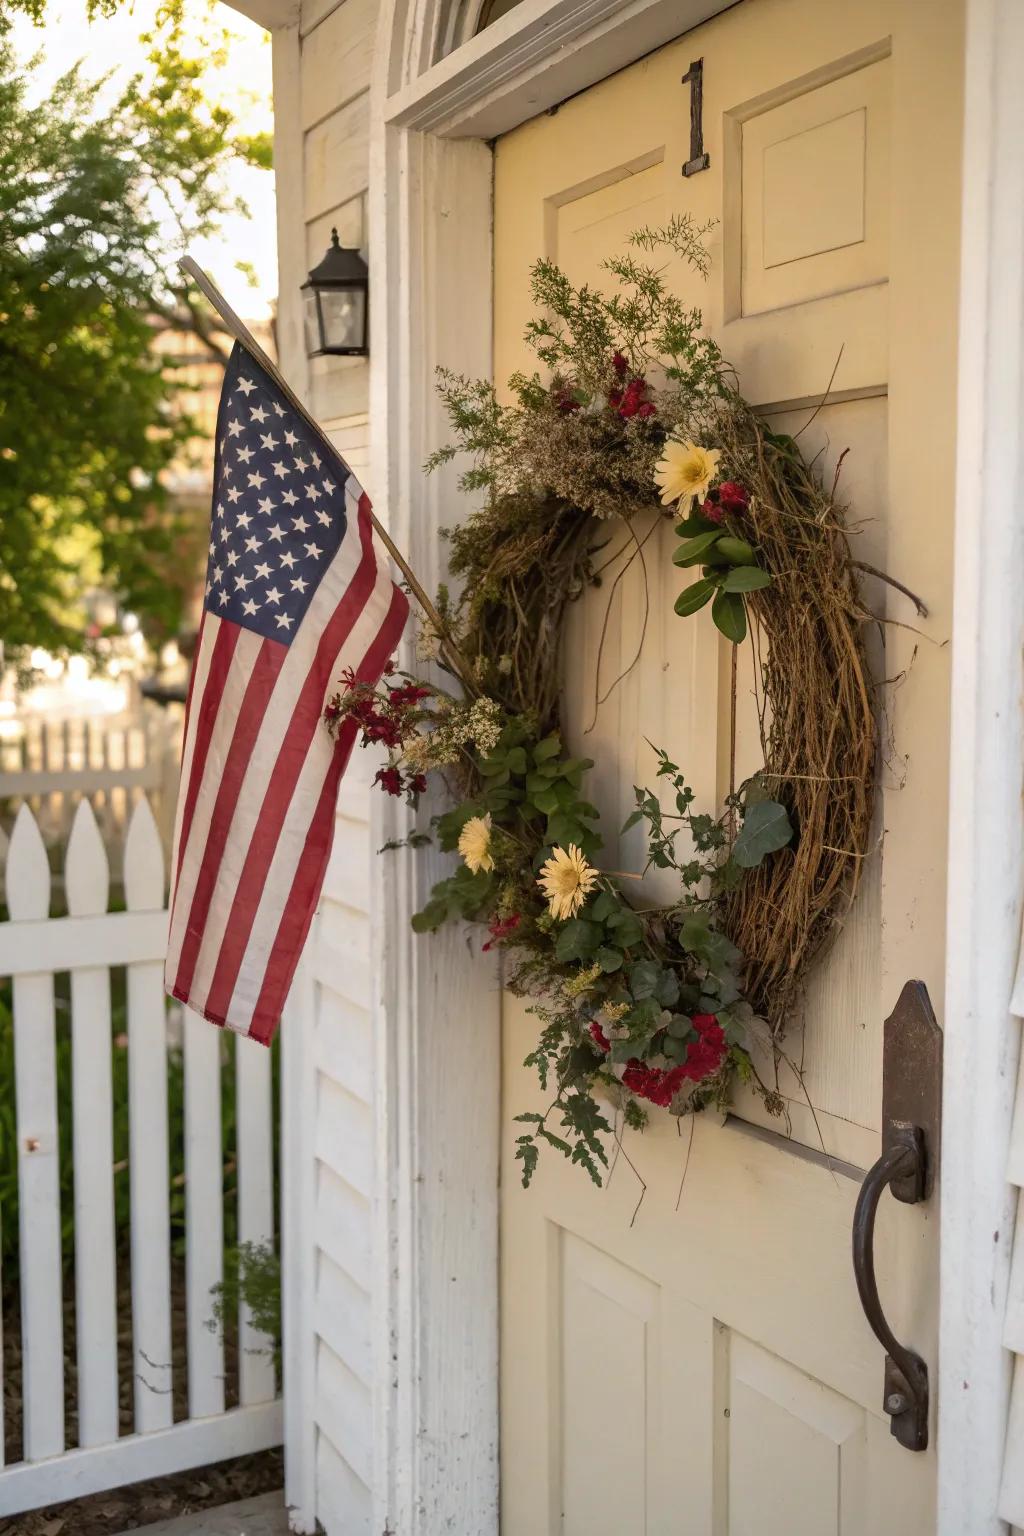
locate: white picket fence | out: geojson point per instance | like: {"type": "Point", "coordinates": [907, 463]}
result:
{"type": "Point", "coordinates": [111, 760]}
{"type": "Point", "coordinates": [35, 948]}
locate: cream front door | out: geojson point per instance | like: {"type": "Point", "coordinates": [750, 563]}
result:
{"type": "Point", "coordinates": [704, 1368]}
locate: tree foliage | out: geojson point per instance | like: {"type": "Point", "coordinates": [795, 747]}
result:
{"type": "Point", "coordinates": [99, 196]}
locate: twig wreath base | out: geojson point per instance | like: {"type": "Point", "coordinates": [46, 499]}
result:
{"type": "Point", "coordinates": [637, 411]}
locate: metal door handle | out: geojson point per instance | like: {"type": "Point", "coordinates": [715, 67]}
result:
{"type": "Point", "coordinates": [906, 1375]}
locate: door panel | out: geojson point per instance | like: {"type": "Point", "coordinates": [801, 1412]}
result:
{"type": "Point", "coordinates": [700, 1365]}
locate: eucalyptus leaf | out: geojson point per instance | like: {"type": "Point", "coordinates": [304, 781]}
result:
{"type": "Point", "coordinates": [695, 550]}
{"type": "Point", "coordinates": [730, 616]}
{"type": "Point", "coordinates": [746, 578]}
{"type": "Point", "coordinates": [694, 597]}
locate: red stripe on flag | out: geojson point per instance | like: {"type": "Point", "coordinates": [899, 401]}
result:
{"type": "Point", "coordinates": [305, 721]}
{"type": "Point", "coordinates": [268, 663]}
{"type": "Point", "coordinates": [220, 663]}
{"type": "Point", "coordinates": [312, 866]}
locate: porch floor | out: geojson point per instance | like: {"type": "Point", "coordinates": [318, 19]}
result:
{"type": "Point", "coordinates": [264, 1516]}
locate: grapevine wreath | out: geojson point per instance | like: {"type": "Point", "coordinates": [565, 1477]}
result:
{"type": "Point", "coordinates": [636, 412]}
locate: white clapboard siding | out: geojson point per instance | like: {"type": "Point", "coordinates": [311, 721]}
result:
{"type": "Point", "coordinates": [42, 1327]}
{"type": "Point", "coordinates": [150, 1204]}
{"type": "Point", "coordinates": [87, 943]}
{"type": "Point", "coordinates": [204, 1205]}
{"type": "Point", "coordinates": [328, 1052]}
{"type": "Point", "coordinates": [87, 888]}
{"type": "Point", "coordinates": [336, 63]}
{"type": "Point", "coordinates": [255, 1204]}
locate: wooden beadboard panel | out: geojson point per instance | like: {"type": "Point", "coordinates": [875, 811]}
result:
{"type": "Point", "coordinates": [336, 157]}
{"type": "Point", "coordinates": [344, 1503]}
{"type": "Point", "coordinates": [343, 1225]}
{"type": "Point", "coordinates": [344, 1135]}
{"type": "Point", "coordinates": [349, 219]}
{"type": "Point", "coordinates": [337, 59]}
{"type": "Point", "coordinates": [343, 1317]}
{"type": "Point", "coordinates": [344, 1043]}
{"type": "Point", "coordinates": [344, 1414]}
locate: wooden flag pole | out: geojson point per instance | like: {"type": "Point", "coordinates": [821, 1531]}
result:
{"type": "Point", "coordinates": [239, 330]}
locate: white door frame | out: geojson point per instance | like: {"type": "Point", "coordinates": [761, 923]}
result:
{"type": "Point", "coordinates": [438, 1074]}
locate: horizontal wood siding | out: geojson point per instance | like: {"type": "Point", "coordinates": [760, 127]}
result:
{"type": "Point", "coordinates": [328, 110]}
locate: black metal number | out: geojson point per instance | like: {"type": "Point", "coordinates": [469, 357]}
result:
{"type": "Point", "coordinates": [698, 161]}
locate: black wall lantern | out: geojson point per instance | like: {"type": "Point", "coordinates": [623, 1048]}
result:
{"type": "Point", "coordinates": [335, 298]}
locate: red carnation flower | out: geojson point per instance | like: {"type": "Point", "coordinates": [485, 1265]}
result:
{"type": "Point", "coordinates": [417, 784]}
{"type": "Point", "coordinates": [599, 1037]}
{"type": "Point", "coordinates": [652, 1083]}
{"type": "Point", "coordinates": [705, 1054]}
{"type": "Point", "coordinates": [408, 693]}
{"type": "Point", "coordinates": [632, 401]}
{"type": "Point", "coordinates": [389, 780]}
{"type": "Point", "coordinates": [620, 364]}
{"type": "Point", "coordinates": [733, 497]}
{"type": "Point", "coordinates": [501, 928]}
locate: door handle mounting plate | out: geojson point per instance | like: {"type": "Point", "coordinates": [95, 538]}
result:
{"type": "Point", "coordinates": [911, 1110]}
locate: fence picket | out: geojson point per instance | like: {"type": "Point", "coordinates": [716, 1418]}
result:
{"type": "Point", "coordinates": [255, 1135]}
{"type": "Point", "coordinates": [34, 950]}
{"type": "Point", "coordinates": [87, 886]}
{"type": "Point", "coordinates": [148, 1141]}
{"type": "Point", "coordinates": [204, 1214]}
{"type": "Point", "coordinates": [35, 1073]}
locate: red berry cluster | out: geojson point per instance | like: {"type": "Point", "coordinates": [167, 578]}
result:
{"type": "Point", "coordinates": [629, 395]}
{"type": "Point", "coordinates": [383, 717]}
{"type": "Point", "coordinates": [730, 496]}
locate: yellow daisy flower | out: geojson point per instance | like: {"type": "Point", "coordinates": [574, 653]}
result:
{"type": "Point", "coordinates": [685, 471]}
{"type": "Point", "coordinates": [475, 843]}
{"type": "Point", "coordinates": [566, 880]}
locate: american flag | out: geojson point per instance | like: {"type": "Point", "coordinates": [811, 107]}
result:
{"type": "Point", "coordinates": [296, 590]}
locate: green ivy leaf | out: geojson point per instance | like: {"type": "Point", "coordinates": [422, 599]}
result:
{"type": "Point", "coordinates": [626, 927]}
{"type": "Point", "coordinates": [577, 940]}
{"type": "Point", "coordinates": [430, 918]}
{"type": "Point", "coordinates": [766, 828]}
{"type": "Point", "coordinates": [730, 616]}
{"type": "Point", "coordinates": [603, 906]}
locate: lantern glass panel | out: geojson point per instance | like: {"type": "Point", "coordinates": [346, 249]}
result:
{"type": "Point", "coordinates": [311, 317]}
{"type": "Point", "coordinates": [344, 317]}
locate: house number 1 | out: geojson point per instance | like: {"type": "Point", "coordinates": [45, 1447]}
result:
{"type": "Point", "coordinates": [699, 160]}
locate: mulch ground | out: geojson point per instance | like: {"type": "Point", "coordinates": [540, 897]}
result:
{"type": "Point", "coordinates": [122, 1509]}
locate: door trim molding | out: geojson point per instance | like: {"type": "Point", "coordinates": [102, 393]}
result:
{"type": "Point", "coordinates": [986, 834]}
